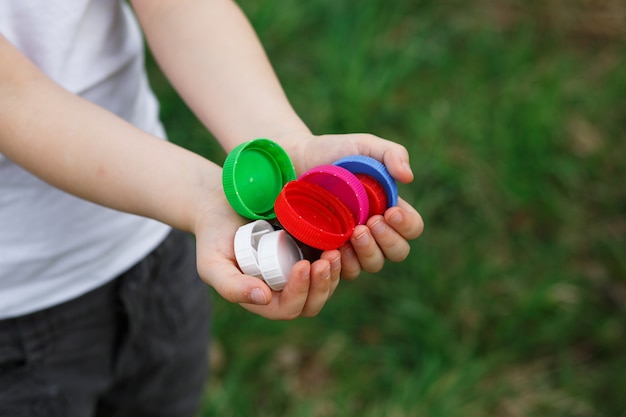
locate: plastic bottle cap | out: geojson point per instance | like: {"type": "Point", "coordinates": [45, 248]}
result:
{"type": "Point", "coordinates": [313, 215]}
{"type": "Point", "coordinates": [253, 175]}
{"type": "Point", "coordinates": [278, 253]}
{"type": "Point", "coordinates": [375, 193]}
{"type": "Point", "coordinates": [247, 240]}
{"type": "Point", "coordinates": [361, 164]}
{"type": "Point", "coordinates": [343, 184]}
{"type": "Point", "coordinates": [266, 253]}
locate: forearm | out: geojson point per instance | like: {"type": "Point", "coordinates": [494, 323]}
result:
{"type": "Point", "coordinates": [212, 56]}
{"type": "Point", "coordinates": [91, 153]}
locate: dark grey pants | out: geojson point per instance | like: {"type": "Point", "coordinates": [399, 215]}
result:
{"type": "Point", "coordinates": [134, 347]}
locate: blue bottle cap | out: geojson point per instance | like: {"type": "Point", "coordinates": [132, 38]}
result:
{"type": "Point", "coordinates": [361, 164]}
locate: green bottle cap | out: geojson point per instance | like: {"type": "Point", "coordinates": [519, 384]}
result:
{"type": "Point", "coordinates": [254, 173]}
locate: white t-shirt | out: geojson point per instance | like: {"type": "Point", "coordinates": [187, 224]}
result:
{"type": "Point", "coordinates": [53, 246]}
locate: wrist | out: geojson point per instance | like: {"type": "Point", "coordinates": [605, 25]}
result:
{"type": "Point", "coordinates": [295, 142]}
{"type": "Point", "coordinates": [209, 200]}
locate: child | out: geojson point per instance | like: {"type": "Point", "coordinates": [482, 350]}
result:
{"type": "Point", "coordinates": [101, 312]}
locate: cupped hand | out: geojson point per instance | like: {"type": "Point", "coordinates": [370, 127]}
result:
{"type": "Point", "coordinates": [382, 237]}
{"type": "Point", "coordinates": [310, 284]}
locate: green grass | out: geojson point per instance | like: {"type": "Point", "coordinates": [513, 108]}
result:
{"type": "Point", "coordinates": [513, 301]}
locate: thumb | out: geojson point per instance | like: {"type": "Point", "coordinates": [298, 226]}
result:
{"type": "Point", "coordinates": [234, 286]}
{"type": "Point", "coordinates": [394, 156]}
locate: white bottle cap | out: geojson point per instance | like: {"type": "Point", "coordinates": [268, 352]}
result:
{"type": "Point", "coordinates": [277, 253]}
{"type": "Point", "coordinates": [247, 241]}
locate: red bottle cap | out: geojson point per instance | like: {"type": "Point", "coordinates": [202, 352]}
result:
{"type": "Point", "coordinates": [375, 193]}
{"type": "Point", "coordinates": [343, 184]}
{"type": "Point", "coordinates": [313, 215]}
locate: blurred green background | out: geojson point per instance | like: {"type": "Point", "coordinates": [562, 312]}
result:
{"type": "Point", "coordinates": [513, 301]}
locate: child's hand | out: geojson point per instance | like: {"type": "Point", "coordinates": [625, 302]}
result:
{"type": "Point", "coordinates": [383, 237]}
{"type": "Point", "coordinates": [310, 285]}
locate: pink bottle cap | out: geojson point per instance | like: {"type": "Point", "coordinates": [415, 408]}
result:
{"type": "Point", "coordinates": [343, 184]}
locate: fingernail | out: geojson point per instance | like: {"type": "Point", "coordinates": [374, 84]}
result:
{"type": "Point", "coordinates": [362, 239]}
{"type": "Point", "coordinates": [396, 218]}
{"type": "Point", "coordinates": [347, 252]}
{"type": "Point", "coordinates": [305, 274]}
{"type": "Point", "coordinates": [257, 296]}
{"type": "Point", "coordinates": [326, 274]}
{"type": "Point", "coordinates": [335, 264]}
{"type": "Point", "coordinates": [407, 168]}
{"type": "Point", "coordinates": [378, 227]}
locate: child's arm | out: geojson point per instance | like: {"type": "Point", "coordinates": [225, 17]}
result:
{"type": "Point", "coordinates": [212, 56]}
{"type": "Point", "coordinates": [87, 151]}
{"type": "Point", "coordinates": [91, 153]}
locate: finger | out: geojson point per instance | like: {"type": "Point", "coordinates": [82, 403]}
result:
{"type": "Point", "coordinates": [319, 288]}
{"type": "Point", "coordinates": [334, 258]}
{"type": "Point", "coordinates": [366, 248]}
{"type": "Point", "coordinates": [288, 303]}
{"type": "Point", "coordinates": [350, 265]}
{"type": "Point", "coordinates": [293, 297]}
{"type": "Point", "coordinates": [394, 156]}
{"type": "Point", "coordinates": [405, 220]}
{"type": "Point", "coordinates": [391, 243]}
